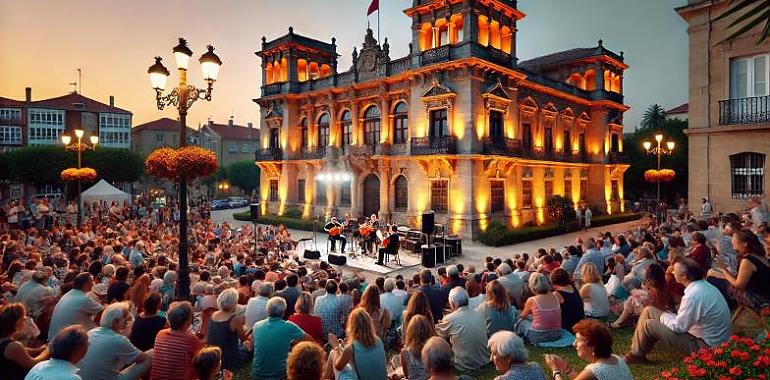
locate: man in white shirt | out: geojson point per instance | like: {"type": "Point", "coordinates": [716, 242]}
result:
{"type": "Point", "coordinates": [256, 308]}
{"type": "Point", "coordinates": [67, 348]}
{"type": "Point", "coordinates": [703, 318]}
{"type": "Point", "coordinates": [466, 331]}
{"type": "Point", "coordinates": [511, 282]}
{"type": "Point", "coordinates": [75, 307]}
{"type": "Point", "coordinates": [392, 302]}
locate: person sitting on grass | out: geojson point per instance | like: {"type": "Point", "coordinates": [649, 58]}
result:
{"type": "Point", "coordinates": [510, 358]}
{"type": "Point", "coordinates": [593, 343]}
{"type": "Point", "coordinates": [437, 358]}
{"type": "Point", "coordinates": [466, 330]}
{"type": "Point", "coordinates": [596, 302]}
{"type": "Point", "coordinates": [544, 310]}
{"type": "Point", "coordinates": [306, 362]}
{"type": "Point", "coordinates": [652, 293]}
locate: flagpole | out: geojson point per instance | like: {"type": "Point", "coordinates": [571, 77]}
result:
{"type": "Point", "coordinates": [378, 24]}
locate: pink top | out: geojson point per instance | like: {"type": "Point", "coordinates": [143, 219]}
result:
{"type": "Point", "coordinates": [546, 319]}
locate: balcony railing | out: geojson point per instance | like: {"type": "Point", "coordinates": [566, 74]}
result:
{"type": "Point", "coordinates": [754, 110]}
{"type": "Point", "coordinates": [269, 154]}
{"type": "Point", "coordinates": [434, 145]}
{"type": "Point", "coordinates": [314, 153]}
{"type": "Point", "coordinates": [617, 158]}
{"type": "Point", "coordinates": [361, 150]}
{"type": "Point", "coordinates": [501, 146]}
{"type": "Point", "coordinates": [439, 54]}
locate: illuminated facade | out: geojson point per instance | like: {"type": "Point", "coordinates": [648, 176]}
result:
{"type": "Point", "coordinates": [458, 126]}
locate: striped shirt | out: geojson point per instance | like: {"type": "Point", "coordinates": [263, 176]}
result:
{"type": "Point", "coordinates": [174, 352]}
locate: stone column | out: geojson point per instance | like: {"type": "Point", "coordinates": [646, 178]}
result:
{"type": "Point", "coordinates": [385, 211]}
{"type": "Point", "coordinates": [356, 120]}
{"type": "Point", "coordinates": [385, 121]}
{"type": "Point", "coordinates": [599, 70]}
{"type": "Point", "coordinates": [355, 194]}
{"type": "Point", "coordinates": [291, 59]}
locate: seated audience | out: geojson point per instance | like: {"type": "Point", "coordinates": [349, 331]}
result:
{"type": "Point", "coordinates": [364, 355]}
{"type": "Point", "coordinates": [510, 358]}
{"type": "Point", "coordinates": [67, 348]}
{"type": "Point", "coordinates": [541, 317]}
{"type": "Point", "coordinates": [370, 301]}
{"type": "Point", "coordinates": [226, 330]}
{"type": "Point", "coordinates": [569, 298]}
{"type": "Point", "coordinates": [76, 307]}
{"type": "Point", "coordinates": [310, 324]}
{"type": "Point", "coordinates": [419, 331]}
{"type": "Point", "coordinates": [652, 293]}
{"type": "Point", "coordinates": [596, 302]}
{"type": "Point", "coordinates": [272, 339]}
{"type": "Point", "coordinates": [497, 310]}
{"type": "Point", "coordinates": [208, 364]}
{"type": "Point", "coordinates": [306, 362]}
{"type": "Point", "coordinates": [15, 358]}
{"type": "Point", "coordinates": [148, 323]}
{"type": "Point", "coordinates": [437, 357]}
{"type": "Point", "coordinates": [750, 287]}
{"type": "Point", "coordinates": [593, 343]}
{"type": "Point", "coordinates": [332, 311]}
{"type": "Point", "coordinates": [256, 307]}
{"type": "Point", "coordinates": [175, 346]}
{"type": "Point", "coordinates": [466, 331]}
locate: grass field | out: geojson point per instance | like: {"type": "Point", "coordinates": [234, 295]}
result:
{"type": "Point", "coordinates": [661, 358]}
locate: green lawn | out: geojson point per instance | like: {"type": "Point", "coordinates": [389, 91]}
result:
{"type": "Point", "coordinates": [661, 358]}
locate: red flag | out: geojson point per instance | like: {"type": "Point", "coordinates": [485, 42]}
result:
{"type": "Point", "coordinates": [373, 7]}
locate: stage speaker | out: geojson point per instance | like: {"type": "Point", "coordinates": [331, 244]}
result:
{"type": "Point", "coordinates": [337, 259]}
{"type": "Point", "coordinates": [428, 256]}
{"type": "Point", "coordinates": [312, 255]}
{"type": "Point", "coordinates": [254, 211]}
{"type": "Point", "coordinates": [428, 223]}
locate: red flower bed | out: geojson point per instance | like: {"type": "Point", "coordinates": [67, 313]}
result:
{"type": "Point", "coordinates": [739, 358]}
{"type": "Point", "coordinates": [75, 174]}
{"type": "Point", "coordinates": [192, 161]}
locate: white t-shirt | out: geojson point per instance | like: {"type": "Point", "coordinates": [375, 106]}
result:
{"type": "Point", "coordinates": [74, 308]}
{"type": "Point", "coordinates": [108, 352]}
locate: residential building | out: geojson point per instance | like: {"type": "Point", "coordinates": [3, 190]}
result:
{"type": "Point", "coordinates": [231, 142]}
{"type": "Point", "coordinates": [680, 112]}
{"type": "Point", "coordinates": [458, 126]}
{"type": "Point", "coordinates": [729, 109]}
{"type": "Point", "coordinates": [156, 134]}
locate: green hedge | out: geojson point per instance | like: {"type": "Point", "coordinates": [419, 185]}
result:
{"type": "Point", "coordinates": [498, 234]}
{"type": "Point", "coordinates": [289, 222]}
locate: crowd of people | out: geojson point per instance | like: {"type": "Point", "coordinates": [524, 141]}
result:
{"type": "Point", "coordinates": [101, 301]}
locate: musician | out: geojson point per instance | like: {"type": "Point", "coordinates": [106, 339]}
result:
{"type": "Point", "coordinates": [370, 240]}
{"type": "Point", "coordinates": [333, 223]}
{"type": "Point", "coordinates": [391, 245]}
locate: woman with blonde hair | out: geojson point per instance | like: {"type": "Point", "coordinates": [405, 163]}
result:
{"type": "Point", "coordinates": [138, 292]}
{"type": "Point", "coordinates": [596, 302]}
{"type": "Point", "coordinates": [418, 305]}
{"type": "Point", "coordinates": [370, 302]}
{"type": "Point", "coordinates": [419, 331]}
{"type": "Point", "coordinates": [497, 310]}
{"type": "Point", "coordinates": [305, 362]}
{"type": "Point", "coordinates": [364, 354]}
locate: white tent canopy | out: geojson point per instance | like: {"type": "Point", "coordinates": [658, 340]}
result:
{"type": "Point", "coordinates": [103, 191]}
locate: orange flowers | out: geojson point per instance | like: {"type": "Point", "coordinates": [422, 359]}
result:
{"type": "Point", "coordinates": [191, 161]}
{"type": "Point", "coordinates": [664, 175]}
{"type": "Point", "coordinates": [75, 174]}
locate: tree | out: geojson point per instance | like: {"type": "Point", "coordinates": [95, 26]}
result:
{"type": "Point", "coordinates": [244, 174]}
{"type": "Point", "coordinates": [653, 117]}
{"type": "Point", "coordinates": [115, 165]}
{"type": "Point", "coordinates": [752, 13]}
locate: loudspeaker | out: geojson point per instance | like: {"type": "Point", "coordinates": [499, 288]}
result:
{"type": "Point", "coordinates": [312, 255]}
{"type": "Point", "coordinates": [254, 211]}
{"type": "Point", "coordinates": [337, 259]}
{"type": "Point", "coordinates": [428, 255]}
{"type": "Point", "coordinates": [428, 221]}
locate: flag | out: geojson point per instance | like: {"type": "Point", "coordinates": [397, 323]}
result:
{"type": "Point", "coordinates": [373, 7]}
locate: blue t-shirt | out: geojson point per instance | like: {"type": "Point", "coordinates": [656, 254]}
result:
{"type": "Point", "coordinates": [272, 343]}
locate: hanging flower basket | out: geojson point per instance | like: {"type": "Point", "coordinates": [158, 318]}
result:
{"type": "Point", "coordinates": [191, 161]}
{"type": "Point", "coordinates": [75, 174]}
{"type": "Point", "coordinates": [666, 175]}
{"type": "Point", "coordinates": [651, 175]}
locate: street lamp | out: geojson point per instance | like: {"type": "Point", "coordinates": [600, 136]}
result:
{"type": "Point", "coordinates": [658, 150]}
{"type": "Point", "coordinates": [79, 147]}
{"type": "Point", "coordinates": [223, 187]}
{"type": "Point", "coordinates": [182, 97]}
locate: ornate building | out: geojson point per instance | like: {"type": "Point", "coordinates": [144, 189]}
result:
{"type": "Point", "coordinates": [458, 126]}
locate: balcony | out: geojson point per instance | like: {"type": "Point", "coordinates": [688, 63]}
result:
{"type": "Point", "coordinates": [434, 145]}
{"type": "Point", "coordinates": [617, 158]}
{"type": "Point", "coordinates": [501, 146]}
{"type": "Point", "coordinates": [274, 88]}
{"type": "Point", "coordinates": [436, 55]}
{"type": "Point", "coordinates": [360, 150]}
{"type": "Point", "coordinates": [391, 149]}
{"type": "Point", "coordinates": [269, 154]}
{"type": "Point", "coordinates": [754, 110]}
{"type": "Point", "coordinates": [314, 153]}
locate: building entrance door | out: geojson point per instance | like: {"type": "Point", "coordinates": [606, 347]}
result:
{"type": "Point", "coordinates": [371, 195]}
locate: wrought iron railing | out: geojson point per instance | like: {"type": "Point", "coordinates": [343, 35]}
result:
{"type": "Point", "coordinates": [361, 150]}
{"type": "Point", "coordinates": [501, 146]}
{"type": "Point", "coordinates": [269, 154]}
{"type": "Point", "coordinates": [439, 54]}
{"type": "Point", "coordinates": [617, 158]}
{"type": "Point", "coordinates": [753, 110]}
{"type": "Point", "coordinates": [314, 153]}
{"type": "Point", "coordinates": [272, 89]}
{"type": "Point", "coordinates": [434, 145]}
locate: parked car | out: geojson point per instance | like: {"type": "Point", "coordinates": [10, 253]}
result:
{"type": "Point", "coordinates": [220, 204]}
{"type": "Point", "coordinates": [238, 202]}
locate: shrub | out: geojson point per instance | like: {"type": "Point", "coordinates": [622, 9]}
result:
{"type": "Point", "coordinates": [293, 213]}
{"type": "Point", "coordinates": [560, 209]}
{"type": "Point", "coordinates": [738, 358]}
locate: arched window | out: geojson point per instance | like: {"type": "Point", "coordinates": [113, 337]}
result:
{"type": "Point", "coordinates": [269, 73]}
{"type": "Point", "coordinates": [372, 125]}
{"type": "Point", "coordinates": [313, 70]}
{"type": "Point", "coordinates": [590, 80]}
{"type": "Point", "coordinates": [483, 31]}
{"type": "Point", "coordinates": [301, 70]}
{"type": "Point", "coordinates": [494, 34]}
{"type": "Point", "coordinates": [748, 174]}
{"type": "Point", "coordinates": [400, 123]}
{"type": "Point", "coordinates": [401, 193]}
{"type": "Point", "coordinates": [323, 130]}
{"type": "Point", "coordinates": [506, 39]}
{"type": "Point", "coordinates": [303, 133]}
{"type": "Point", "coordinates": [346, 122]}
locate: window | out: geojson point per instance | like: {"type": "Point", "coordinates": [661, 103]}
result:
{"type": "Point", "coordinates": [548, 137]}
{"type": "Point", "coordinates": [749, 76]}
{"type": "Point", "coordinates": [614, 143]}
{"type": "Point", "coordinates": [583, 188]}
{"type": "Point", "coordinates": [615, 192]}
{"type": "Point", "coordinates": [323, 130]}
{"type": "Point", "coordinates": [438, 195]}
{"type": "Point", "coordinates": [345, 194]}
{"type": "Point", "coordinates": [568, 188]}
{"type": "Point", "coordinates": [438, 123]}
{"type": "Point", "coordinates": [113, 138]}
{"type": "Point", "coordinates": [111, 120]}
{"type": "Point", "coordinates": [10, 114]}
{"type": "Point", "coordinates": [401, 194]}
{"type": "Point", "coordinates": [159, 137]}
{"type": "Point", "coordinates": [45, 126]}
{"type": "Point", "coordinates": [497, 195]}
{"type": "Point", "coordinates": [582, 143]}
{"type": "Point", "coordinates": [320, 193]}
{"type": "Point", "coordinates": [347, 130]}
{"type": "Point", "coordinates": [526, 134]}
{"type": "Point", "coordinates": [232, 148]}
{"type": "Point", "coordinates": [548, 188]}
{"type": "Point", "coordinates": [245, 148]}
{"type": "Point", "coordinates": [300, 191]}
{"type": "Point", "coordinates": [400, 123]}
{"type": "Point", "coordinates": [526, 193]}
{"type": "Point", "coordinates": [496, 124]}
{"type": "Point", "coordinates": [273, 190]}
{"type": "Point", "coordinates": [10, 134]}
{"type": "Point", "coordinates": [275, 138]}
{"type": "Point", "coordinates": [748, 174]}
{"type": "Point", "coordinates": [567, 143]}
{"type": "Point", "coordinates": [371, 125]}
{"type": "Point", "coordinates": [303, 132]}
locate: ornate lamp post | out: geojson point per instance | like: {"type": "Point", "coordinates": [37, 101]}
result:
{"type": "Point", "coordinates": [659, 150]}
{"type": "Point", "coordinates": [79, 147]}
{"type": "Point", "coordinates": [224, 187]}
{"type": "Point", "coordinates": [182, 97]}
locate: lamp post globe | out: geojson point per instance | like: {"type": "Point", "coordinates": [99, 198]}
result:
{"type": "Point", "coordinates": [182, 54]}
{"type": "Point", "coordinates": [210, 64]}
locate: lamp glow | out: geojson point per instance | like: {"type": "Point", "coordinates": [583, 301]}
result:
{"type": "Point", "coordinates": [158, 75]}
{"type": "Point", "coordinates": [658, 138]}
{"type": "Point", "coordinates": [79, 133]}
{"type": "Point", "coordinates": [647, 145]}
{"type": "Point", "coordinates": [182, 54]}
{"type": "Point", "coordinates": [94, 140]}
{"type": "Point", "coordinates": [670, 145]}
{"type": "Point", "coordinates": [66, 139]}
{"type": "Point", "coordinates": [210, 64]}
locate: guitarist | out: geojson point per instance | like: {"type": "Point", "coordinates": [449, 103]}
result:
{"type": "Point", "coordinates": [334, 229]}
